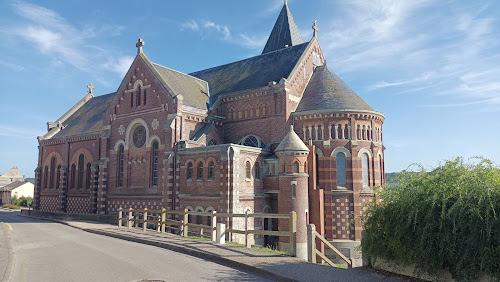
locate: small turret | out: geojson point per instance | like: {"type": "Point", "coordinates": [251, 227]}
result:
{"type": "Point", "coordinates": [293, 189]}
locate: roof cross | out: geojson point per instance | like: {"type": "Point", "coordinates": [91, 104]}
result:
{"type": "Point", "coordinates": [139, 45]}
{"type": "Point", "coordinates": [315, 28]}
{"type": "Point", "coordinates": [91, 88]}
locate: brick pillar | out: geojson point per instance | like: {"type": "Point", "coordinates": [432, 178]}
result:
{"type": "Point", "coordinates": [38, 187]}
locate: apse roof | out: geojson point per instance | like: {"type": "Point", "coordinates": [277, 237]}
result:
{"type": "Point", "coordinates": [326, 91]}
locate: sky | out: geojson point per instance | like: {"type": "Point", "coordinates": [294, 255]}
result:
{"type": "Point", "coordinates": [431, 66]}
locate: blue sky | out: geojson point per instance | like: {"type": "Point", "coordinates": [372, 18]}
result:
{"type": "Point", "coordinates": [431, 66]}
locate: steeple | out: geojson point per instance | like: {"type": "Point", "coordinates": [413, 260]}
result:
{"type": "Point", "coordinates": [285, 32]}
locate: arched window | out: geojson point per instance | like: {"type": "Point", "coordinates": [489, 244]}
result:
{"type": "Point", "coordinates": [248, 170]}
{"type": "Point", "coordinates": [52, 171]}
{"type": "Point", "coordinates": [154, 163]}
{"type": "Point", "coordinates": [199, 175]}
{"type": "Point", "coordinates": [253, 141]}
{"type": "Point", "coordinates": [88, 177]}
{"type": "Point", "coordinates": [257, 170]}
{"type": "Point", "coordinates": [211, 170]}
{"type": "Point", "coordinates": [305, 168]}
{"type": "Point", "coordinates": [341, 173]}
{"type": "Point", "coordinates": [73, 176]}
{"type": "Point", "coordinates": [380, 170]}
{"type": "Point", "coordinates": [45, 177]}
{"type": "Point", "coordinates": [120, 165]}
{"type": "Point", "coordinates": [131, 99]}
{"type": "Point", "coordinates": [296, 167]}
{"type": "Point", "coordinates": [81, 167]}
{"type": "Point", "coordinates": [284, 168]}
{"type": "Point", "coordinates": [145, 92]}
{"type": "Point", "coordinates": [190, 171]}
{"type": "Point", "coordinates": [138, 97]}
{"type": "Point", "coordinates": [58, 178]}
{"type": "Point", "coordinates": [365, 169]}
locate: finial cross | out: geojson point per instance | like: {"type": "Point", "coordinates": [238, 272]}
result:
{"type": "Point", "coordinates": [139, 45]}
{"type": "Point", "coordinates": [315, 28]}
{"type": "Point", "coordinates": [91, 88]}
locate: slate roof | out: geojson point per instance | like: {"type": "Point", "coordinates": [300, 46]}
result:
{"type": "Point", "coordinates": [285, 32]}
{"type": "Point", "coordinates": [326, 91]}
{"type": "Point", "coordinates": [88, 118]}
{"type": "Point", "coordinates": [13, 185]}
{"type": "Point", "coordinates": [253, 72]}
{"type": "Point", "coordinates": [291, 142]}
{"type": "Point", "coordinates": [194, 91]}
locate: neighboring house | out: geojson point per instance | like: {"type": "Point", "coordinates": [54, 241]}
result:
{"type": "Point", "coordinates": [11, 176]}
{"type": "Point", "coordinates": [220, 139]}
{"type": "Point", "coordinates": [18, 189]}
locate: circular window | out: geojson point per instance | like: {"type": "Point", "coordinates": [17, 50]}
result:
{"type": "Point", "coordinates": [139, 136]}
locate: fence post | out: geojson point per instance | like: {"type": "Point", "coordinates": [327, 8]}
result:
{"type": "Point", "coordinates": [221, 233]}
{"type": "Point", "coordinates": [184, 224]}
{"type": "Point", "coordinates": [144, 219]}
{"type": "Point", "coordinates": [130, 218]}
{"type": "Point", "coordinates": [247, 240]}
{"type": "Point", "coordinates": [293, 233]}
{"type": "Point", "coordinates": [163, 219]}
{"type": "Point", "coordinates": [120, 217]}
{"type": "Point", "coordinates": [213, 229]}
{"type": "Point", "coordinates": [311, 243]}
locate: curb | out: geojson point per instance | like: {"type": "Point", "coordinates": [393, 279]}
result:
{"type": "Point", "coordinates": [194, 253]}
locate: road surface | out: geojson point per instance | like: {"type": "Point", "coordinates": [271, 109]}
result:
{"type": "Point", "coordinates": [38, 250]}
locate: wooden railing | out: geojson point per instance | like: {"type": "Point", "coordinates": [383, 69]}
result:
{"type": "Point", "coordinates": [161, 222]}
{"type": "Point", "coordinates": [313, 252]}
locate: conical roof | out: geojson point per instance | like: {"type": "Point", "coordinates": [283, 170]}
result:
{"type": "Point", "coordinates": [291, 142]}
{"type": "Point", "coordinates": [326, 91]}
{"type": "Point", "coordinates": [285, 32]}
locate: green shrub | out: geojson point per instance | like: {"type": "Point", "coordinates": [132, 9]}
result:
{"type": "Point", "coordinates": [445, 219]}
{"type": "Point", "coordinates": [22, 201]}
{"type": "Point", "coordinates": [10, 206]}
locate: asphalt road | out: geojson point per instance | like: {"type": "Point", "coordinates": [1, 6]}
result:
{"type": "Point", "coordinates": [47, 251]}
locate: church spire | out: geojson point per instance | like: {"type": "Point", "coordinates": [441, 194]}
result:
{"type": "Point", "coordinates": [285, 32]}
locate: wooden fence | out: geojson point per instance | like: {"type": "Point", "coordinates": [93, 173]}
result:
{"type": "Point", "coordinates": [158, 218]}
{"type": "Point", "coordinates": [312, 235]}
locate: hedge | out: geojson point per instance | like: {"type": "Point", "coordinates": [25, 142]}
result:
{"type": "Point", "coordinates": [444, 219]}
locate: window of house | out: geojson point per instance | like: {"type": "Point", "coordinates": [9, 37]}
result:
{"type": "Point", "coordinates": [211, 170]}
{"type": "Point", "coordinates": [138, 95]}
{"type": "Point", "coordinates": [45, 177]}
{"type": "Point", "coordinates": [257, 171]}
{"type": "Point", "coordinates": [81, 167]}
{"type": "Point", "coordinates": [296, 167]}
{"type": "Point", "coordinates": [341, 172]}
{"type": "Point", "coordinates": [199, 175]}
{"type": "Point", "coordinates": [189, 171]}
{"type": "Point", "coordinates": [145, 92]}
{"type": "Point", "coordinates": [139, 136]}
{"type": "Point", "coordinates": [248, 170]}
{"type": "Point", "coordinates": [380, 170]}
{"type": "Point", "coordinates": [284, 168]}
{"type": "Point", "coordinates": [120, 165]}
{"type": "Point", "coordinates": [73, 176]}
{"type": "Point", "coordinates": [52, 171]}
{"type": "Point", "coordinates": [154, 163]}
{"type": "Point", "coordinates": [58, 178]}
{"type": "Point", "coordinates": [131, 99]}
{"type": "Point", "coordinates": [365, 169]}
{"type": "Point", "coordinates": [293, 190]}
{"type": "Point", "coordinates": [88, 179]}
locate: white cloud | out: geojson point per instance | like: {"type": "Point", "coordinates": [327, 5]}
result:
{"type": "Point", "coordinates": [53, 36]}
{"type": "Point", "coordinates": [208, 28]}
{"type": "Point", "coordinates": [421, 78]}
{"type": "Point", "coordinates": [12, 66]}
{"type": "Point", "coordinates": [18, 132]}
{"type": "Point", "coordinates": [120, 65]}
{"type": "Point", "coordinates": [253, 42]}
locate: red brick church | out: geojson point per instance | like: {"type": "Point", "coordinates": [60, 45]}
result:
{"type": "Point", "coordinates": [269, 134]}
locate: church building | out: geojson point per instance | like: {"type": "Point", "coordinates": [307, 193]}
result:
{"type": "Point", "coordinates": [274, 133]}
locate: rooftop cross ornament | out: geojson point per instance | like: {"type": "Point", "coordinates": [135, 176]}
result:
{"type": "Point", "coordinates": [315, 28]}
{"type": "Point", "coordinates": [139, 45]}
{"type": "Point", "coordinates": [91, 88]}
